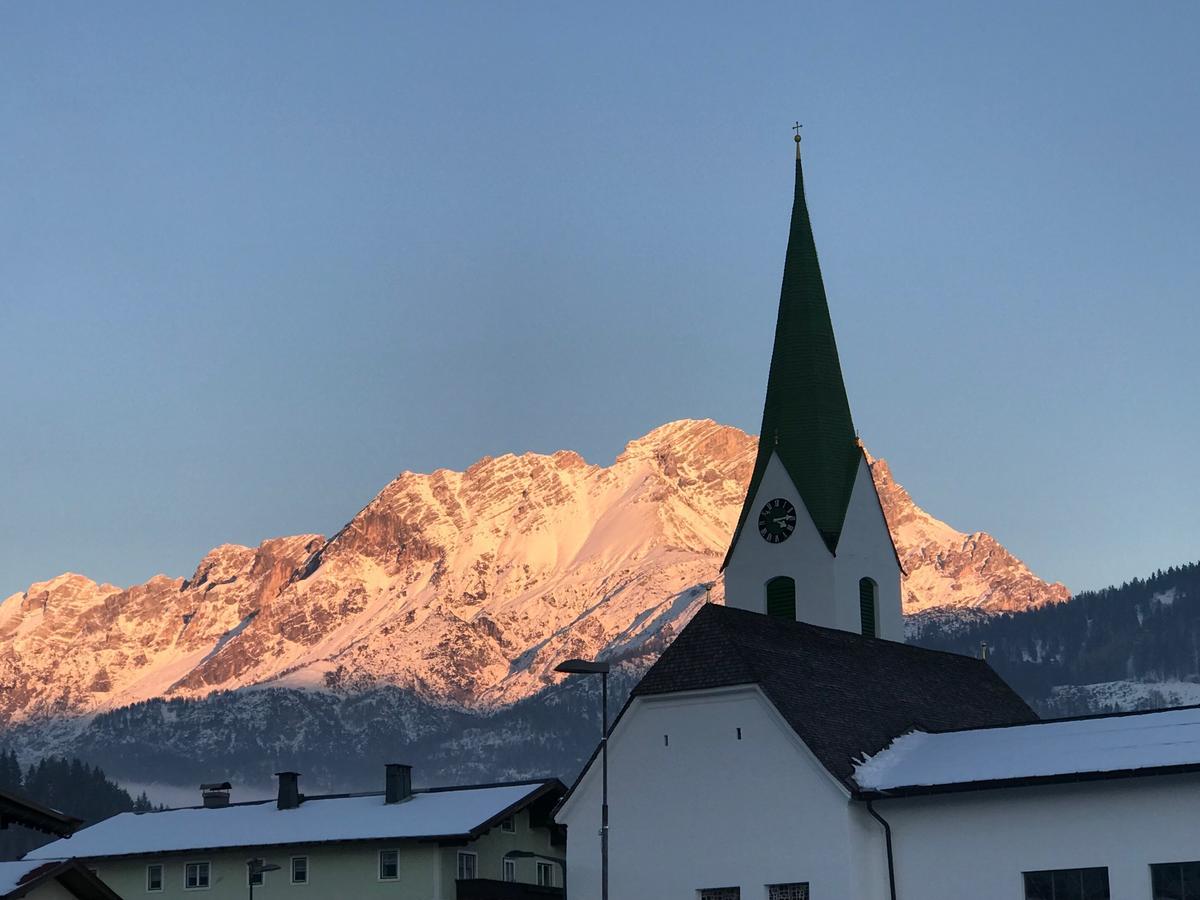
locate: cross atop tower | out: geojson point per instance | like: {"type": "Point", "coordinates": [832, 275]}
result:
{"type": "Point", "coordinates": [796, 128]}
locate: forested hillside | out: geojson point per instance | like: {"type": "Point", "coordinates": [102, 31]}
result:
{"type": "Point", "coordinates": [1145, 631]}
{"type": "Point", "coordinates": [69, 786]}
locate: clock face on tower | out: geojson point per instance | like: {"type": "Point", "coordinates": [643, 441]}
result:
{"type": "Point", "coordinates": [777, 521]}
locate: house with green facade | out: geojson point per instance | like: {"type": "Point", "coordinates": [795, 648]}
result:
{"type": "Point", "coordinates": [476, 842]}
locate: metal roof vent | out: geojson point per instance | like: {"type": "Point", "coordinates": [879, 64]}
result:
{"type": "Point", "coordinates": [215, 794]}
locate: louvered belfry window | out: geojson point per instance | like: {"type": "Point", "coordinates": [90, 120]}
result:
{"type": "Point", "coordinates": [781, 598]}
{"type": "Point", "coordinates": [867, 592]}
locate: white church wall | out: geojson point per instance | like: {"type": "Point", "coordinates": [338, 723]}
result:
{"type": "Point", "coordinates": [803, 557]}
{"type": "Point", "coordinates": [978, 844]}
{"type": "Point", "coordinates": [692, 806]}
{"type": "Point", "coordinates": [865, 551]}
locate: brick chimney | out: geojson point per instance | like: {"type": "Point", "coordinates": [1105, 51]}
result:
{"type": "Point", "coordinates": [397, 783]}
{"type": "Point", "coordinates": [289, 790]}
{"type": "Point", "coordinates": [215, 794]}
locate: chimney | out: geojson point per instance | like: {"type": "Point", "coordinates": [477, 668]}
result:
{"type": "Point", "coordinates": [289, 790]}
{"type": "Point", "coordinates": [215, 794]}
{"type": "Point", "coordinates": [397, 783]}
{"type": "Point", "coordinates": [983, 650]}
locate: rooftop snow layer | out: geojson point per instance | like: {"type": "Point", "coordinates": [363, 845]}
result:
{"type": "Point", "coordinates": [12, 874]}
{"type": "Point", "coordinates": [427, 814]}
{"type": "Point", "coordinates": [1105, 744]}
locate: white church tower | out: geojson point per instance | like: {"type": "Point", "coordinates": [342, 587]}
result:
{"type": "Point", "coordinates": [811, 542]}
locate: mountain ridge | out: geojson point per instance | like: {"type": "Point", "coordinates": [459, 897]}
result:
{"type": "Point", "coordinates": [463, 587]}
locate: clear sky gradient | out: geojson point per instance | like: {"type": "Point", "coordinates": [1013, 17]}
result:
{"type": "Point", "coordinates": [258, 258]}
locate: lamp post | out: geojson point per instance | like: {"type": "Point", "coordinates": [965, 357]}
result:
{"type": "Point", "coordinates": [584, 667]}
{"type": "Point", "coordinates": [257, 866]}
{"type": "Point", "coordinates": [529, 854]}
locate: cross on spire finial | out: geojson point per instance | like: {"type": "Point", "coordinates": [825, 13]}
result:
{"type": "Point", "coordinates": [796, 128]}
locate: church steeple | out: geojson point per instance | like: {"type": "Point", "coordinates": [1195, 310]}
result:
{"type": "Point", "coordinates": [806, 417]}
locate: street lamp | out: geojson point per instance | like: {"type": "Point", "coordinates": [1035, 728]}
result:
{"type": "Point", "coordinates": [584, 667]}
{"type": "Point", "coordinates": [528, 854]}
{"type": "Point", "coordinates": [257, 866]}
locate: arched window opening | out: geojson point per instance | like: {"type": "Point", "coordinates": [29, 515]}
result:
{"type": "Point", "coordinates": [781, 598]}
{"type": "Point", "coordinates": [867, 593]}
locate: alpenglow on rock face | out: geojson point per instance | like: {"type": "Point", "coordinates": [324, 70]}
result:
{"type": "Point", "coordinates": [465, 587]}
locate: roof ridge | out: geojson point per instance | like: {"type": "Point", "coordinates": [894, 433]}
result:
{"type": "Point", "coordinates": [1086, 717]}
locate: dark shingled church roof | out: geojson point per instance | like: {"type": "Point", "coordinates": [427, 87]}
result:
{"type": "Point", "coordinates": [806, 416]}
{"type": "Point", "coordinates": [845, 695]}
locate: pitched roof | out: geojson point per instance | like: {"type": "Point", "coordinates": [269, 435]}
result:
{"type": "Point", "coordinates": [18, 879]}
{"type": "Point", "coordinates": [460, 813]}
{"type": "Point", "coordinates": [806, 416]}
{"type": "Point", "coordinates": [843, 694]}
{"type": "Point", "coordinates": [1055, 750]}
{"type": "Point", "coordinates": [22, 811]}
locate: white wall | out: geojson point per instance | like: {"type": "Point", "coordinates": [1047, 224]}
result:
{"type": "Point", "coordinates": [826, 585]}
{"type": "Point", "coordinates": [978, 844]}
{"type": "Point", "coordinates": [709, 810]}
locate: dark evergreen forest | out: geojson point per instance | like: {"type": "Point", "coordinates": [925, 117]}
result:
{"type": "Point", "coordinates": [1145, 630]}
{"type": "Point", "coordinates": [69, 786]}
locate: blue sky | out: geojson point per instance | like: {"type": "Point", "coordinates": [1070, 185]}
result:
{"type": "Point", "coordinates": [259, 258]}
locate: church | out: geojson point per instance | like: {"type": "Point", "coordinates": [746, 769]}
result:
{"type": "Point", "coordinates": [790, 746]}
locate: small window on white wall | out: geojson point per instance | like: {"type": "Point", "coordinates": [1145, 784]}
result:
{"type": "Point", "coordinates": [466, 865]}
{"type": "Point", "coordinates": [545, 874]}
{"type": "Point", "coordinates": [795, 890]}
{"type": "Point", "coordinates": [510, 870]}
{"type": "Point", "coordinates": [154, 878]}
{"type": "Point", "coordinates": [725, 893]}
{"type": "Point", "coordinates": [509, 825]}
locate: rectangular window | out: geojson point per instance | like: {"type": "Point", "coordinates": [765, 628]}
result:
{"type": "Point", "coordinates": [154, 878]}
{"type": "Point", "coordinates": [509, 825]}
{"type": "Point", "coordinates": [1067, 884]}
{"type": "Point", "coordinates": [466, 865]}
{"type": "Point", "coordinates": [254, 872]}
{"type": "Point", "coordinates": [389, 865]}
{"type": "Point", "coordinates": [299, 870]}
{"type": "Point", "coordinates": [195, 876]}
{"type": "Point", "coordinates": [725, 893]}
{"type": "Point", "coordinates": [795, 890]}
{"type": "Point", "coordinates": [1176, 881]}
{"type": "Point", "coordinates": [510, 870]}
{"type": "Point", "coordinates": [545, 874]}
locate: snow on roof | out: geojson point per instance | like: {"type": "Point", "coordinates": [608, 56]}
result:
{"type": "Point", "coordinates": [1091, 746]}
{"type": "Point", "coordinates": [339, 818]}
{"type": "Point", "coordinates": [12, 874]}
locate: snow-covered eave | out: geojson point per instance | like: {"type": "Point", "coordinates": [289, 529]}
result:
{"type": "Point", "coordinates": [921, 790]}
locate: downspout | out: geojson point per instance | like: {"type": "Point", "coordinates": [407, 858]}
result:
{"type": "Point", "coordinates": [887, 832]}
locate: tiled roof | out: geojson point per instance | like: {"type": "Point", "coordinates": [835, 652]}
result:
{"type": "Point", "coordinates": [845, 695]}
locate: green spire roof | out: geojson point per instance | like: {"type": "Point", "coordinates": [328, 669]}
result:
{"type": "Point", "coordinates": [806, 418]}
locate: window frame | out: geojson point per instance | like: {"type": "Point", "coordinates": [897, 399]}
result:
{"type": "Point", "coordinates": [508, 866]}
{"type": "Point", "coordinates": [785, 885]}
{"type": "Point", "coordinates": [783, 589]}
{"type": "Point", "coordinates": [379, 867]}
{"type": "Point", "coordinates": [547, 867]}
{"type": "Point", "coordinates": [161, 878]}
{"type": "Point", "coordinates": [1156, 868]}
{"type": "Point", "coordinates": [1080, 870]}
{"type": "Point", "coordinates": [294, 860]}
{"type": "Point", "coordinates": [509, 825]}
{"type": "Point", "coordinates": [458, 865]}
{"type": "Point", "coordinates": [867, 584]}
{"type": "Point", "coordinates": [262, 876]}
{"type": "Point", "coordinates": [207, 864]}
{"type": "Point", "coordinates": [713, 893]}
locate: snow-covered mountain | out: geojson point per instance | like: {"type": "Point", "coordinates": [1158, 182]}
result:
{"type": "Point", "coordinates": [463, 589]}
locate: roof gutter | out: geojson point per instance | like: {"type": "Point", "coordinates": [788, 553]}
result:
{"type": "Point", "coordinates": [887, 833]}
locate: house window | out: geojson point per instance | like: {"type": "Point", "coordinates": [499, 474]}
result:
{"type": "Point", "coordinates": [867, 593]}
{"type": "Point", "coordinates": [1176, 881]}
{"type": "Point", "coordinates": [195, 876]}
{"type": "Point", "coordinates": [1067, 884]}
{"type": "Point", "coordinates": [794, 891]}
{"type": "Point", "coordinates": [510, 870]}
{"type": "Point", "coordinates": [389, 865]}
{"type": "Point", "coordinates": [509, 825]}
{"type": "Point", "coordinates": [299, 870]}
{"type": "Point", "coordinates": [545, 874]}
{"type": "Point", "coordinates": [254, 873]}
{"type": "Point", "coordinates": [726, 893]}
{"type": "Point", "coordinates": [466, 865]}
{"type": "Point", "coordinates": [154, 875]}
{"type": "Point", "coordinates": [781, 598]}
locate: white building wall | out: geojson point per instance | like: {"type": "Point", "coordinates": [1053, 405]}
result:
{"type": "Point", "coordinates": [978, 844]}
{"type": "Point", "coordinates": [865, 550]}
{"type": "Point", "coordinates": [692, 806]}
{"type": "Point", "coordinates": [826, 585]}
